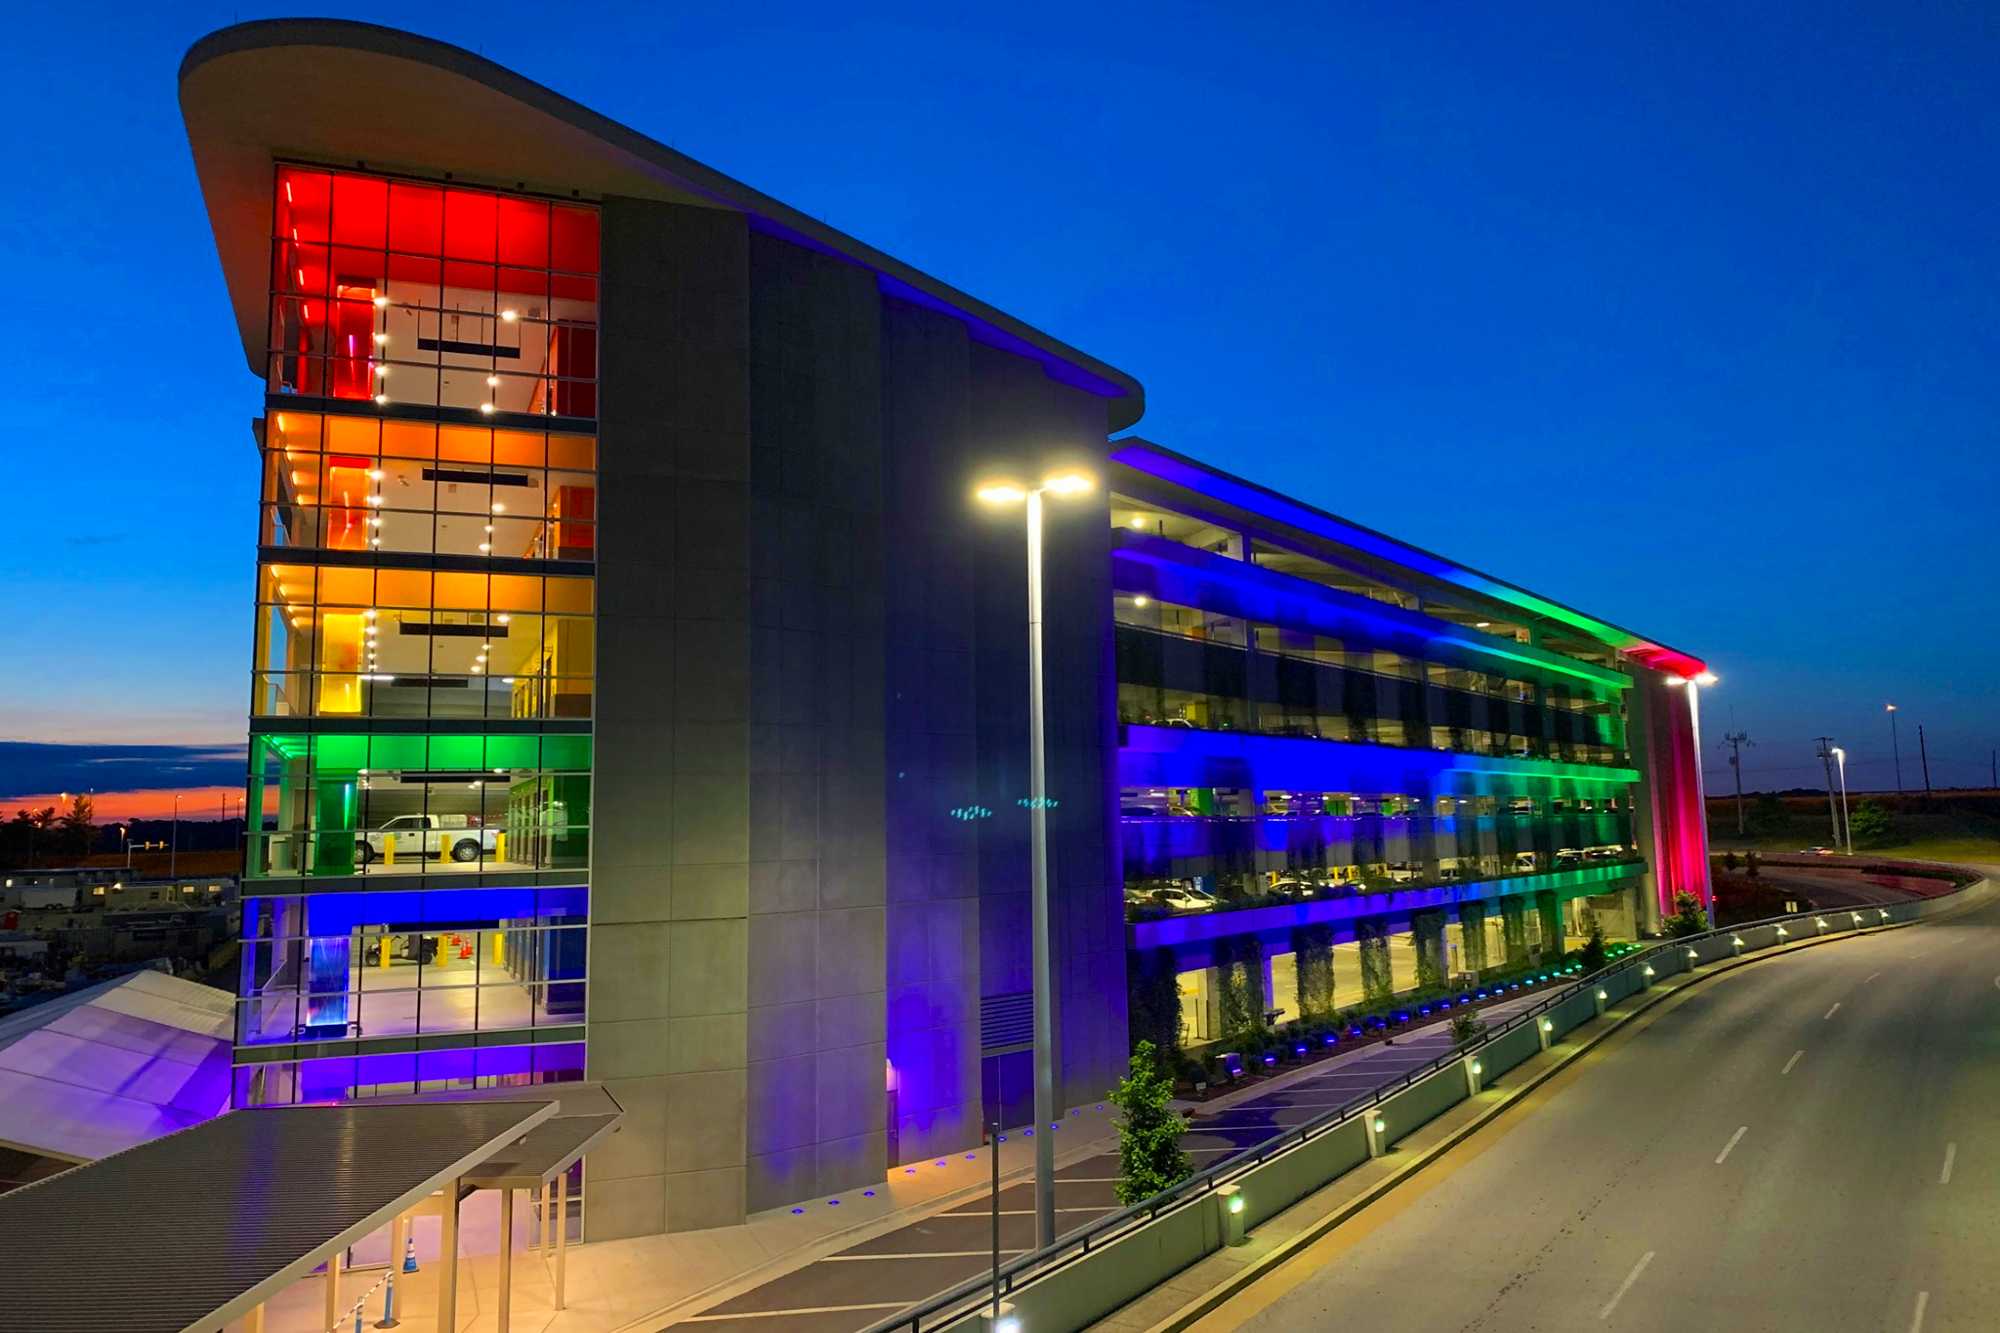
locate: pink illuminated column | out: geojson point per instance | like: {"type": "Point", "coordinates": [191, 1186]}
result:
{"type": "Point", "coordinates": [1673, 771]}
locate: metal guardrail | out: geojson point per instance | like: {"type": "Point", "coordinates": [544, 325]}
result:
{"type": "Point", "coordinates": [957, 1302]}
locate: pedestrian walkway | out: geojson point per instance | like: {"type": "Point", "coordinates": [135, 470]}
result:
{"type": "Point", "coordinates": [870, 1280]}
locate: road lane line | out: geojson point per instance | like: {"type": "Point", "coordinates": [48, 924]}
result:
{"type": "Point", "coordinates": [1917, 1319]}
{"type": "Point", "coordinates": [803, 1309]}
{"type": "Point", "coordinates": [1626, 1286]}
{"type": "Point", "coordinates": [1950, 1156]}
{"type": "Point", "coordinates": [1015, 1213]}
{"type": "Point", "coordinates": [1870, 977]}
{"type": "Point", "coordinates": [914, 1254]}
{"type": "Point", "coordinates": [1796, 1057]}
{"type": "Point", "coordinates": [1730, 1146]}
{"type": "Point", "coordinates": [1836, 1009]}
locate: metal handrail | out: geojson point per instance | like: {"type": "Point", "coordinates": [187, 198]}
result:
{"type": "Point", "coordinates": [955, 1302]}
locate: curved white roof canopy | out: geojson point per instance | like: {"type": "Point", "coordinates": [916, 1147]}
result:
{"type": "Point", "coordinates": [351, 94]}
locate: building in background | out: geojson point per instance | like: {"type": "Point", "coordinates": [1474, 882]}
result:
{"type": "Point", "coordinates": [638, 695]}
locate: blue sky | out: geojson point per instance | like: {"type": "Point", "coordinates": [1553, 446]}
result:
{"type": "Point", "coordinates": [1684, 315]}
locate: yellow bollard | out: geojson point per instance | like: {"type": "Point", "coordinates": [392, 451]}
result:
{"type": "Point", "coordinates": [500, 845]}
{"type": "Point", "coordinates": [385, 951]}
{"type": "Point", "coordinates": [499, 947]}
{"type": "Point", "coordinates": [388, 849]}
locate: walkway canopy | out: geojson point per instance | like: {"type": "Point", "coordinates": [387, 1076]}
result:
{"type": "Point", "coordinates": [108, 1067]}
{"type": "Point", "coordinates": [190, 1231]}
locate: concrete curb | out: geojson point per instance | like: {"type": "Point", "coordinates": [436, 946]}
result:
{"type": "Point", "coordinates": [1215, 1296]}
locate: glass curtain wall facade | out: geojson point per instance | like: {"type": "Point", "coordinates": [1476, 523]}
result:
{"type": "Point", "coordinates": [425, 643]}
{"type": "Point", "coordinates": [1321, 750]}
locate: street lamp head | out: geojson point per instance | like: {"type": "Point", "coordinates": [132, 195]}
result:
{"type": "Point", "coordinates": [1706, 678]}
{"type": "Point", "coordinates": [1069, 483]}
{"type": "Point", "coordinates": [1000, 493]}
{"type": "Point", "coordinates": [1888, 708]}
{"type": "Point", "coordinates": [1676, 682]}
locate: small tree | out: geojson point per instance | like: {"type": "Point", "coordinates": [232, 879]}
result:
{"type": "Point", "coordinates": [79, 824]}
{"type": "Point", "coordinates": [1591, 955]}
{"type": "Point", "coordinates": [1688, 918]}
{"type": "Point", "coordinates": [1871, 825]}
{"type": "Point", "coordinates": [1149, 1136]}
{"type": "Point", "coordinates": [1466, 1030]}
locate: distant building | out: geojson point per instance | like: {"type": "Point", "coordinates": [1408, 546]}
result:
{"type": "Point", "coordinates": [637, 689]}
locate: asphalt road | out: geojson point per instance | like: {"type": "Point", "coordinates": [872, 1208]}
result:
{"type": "Point", "coordinates": [1810, 1143]}
{"type": "Point", "coordinates": [872, 1280]}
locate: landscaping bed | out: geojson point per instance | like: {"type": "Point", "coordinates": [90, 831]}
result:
{"type": "Point", "coordinates": [1256, 1057]}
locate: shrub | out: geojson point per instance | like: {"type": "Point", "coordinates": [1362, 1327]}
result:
{"type": "Point", "coordinates": [1688, 918]}
{"type": "Point", "coordinates": [1466, 1030]}
{"type": "Point", "coordinates": [1871, 825]}
{"type": "Point", "coordinates": [1591, 955]}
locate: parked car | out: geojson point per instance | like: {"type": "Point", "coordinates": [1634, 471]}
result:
{"type": "Point", "coordinates": [431, 837]}
{"type": "Point", "coordinates": [1182, 899]}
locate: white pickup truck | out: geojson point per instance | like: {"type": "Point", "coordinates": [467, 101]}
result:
{"type": "Point", "coordinates": [428, 837]}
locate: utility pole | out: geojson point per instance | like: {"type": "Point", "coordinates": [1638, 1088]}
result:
{"type": "Point", "coordinates": [1736, 740]}
{"type": "Point", "coordinates": [1832, 809]}
{"type": "Point", "coordinates": [1925, 755]}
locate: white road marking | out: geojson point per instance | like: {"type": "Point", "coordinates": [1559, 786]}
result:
{"type": "Point", "coordinates": [1013, 1213]}
{"type": "Point", "coordinates": [1917, 1319]}
{"type": "Point", "coordinates": [925, 1254]}
{"type": "Point", "coordinates": [803, 1309]}
{"type": "Point", "coordinates": [1996, 981]}
{"type": "Point", "coordinates": [1836, 1009]}
{"type": "Point", "coordinates": [1870, 977]}
{"type": "Point", "coordinates": [1730, 1146]}
{"type": "Point", "coordinates": [1950, 1156]}
{"type": "Point", "coordinates": [1796, 1057]}
{"type": "Point", "coordinates": [1626, 1286]}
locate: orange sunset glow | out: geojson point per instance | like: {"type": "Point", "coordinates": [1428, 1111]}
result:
{"type": "Point", "coordinates": [111, 807]}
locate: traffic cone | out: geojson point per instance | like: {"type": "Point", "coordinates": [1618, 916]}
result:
{"type": "Point", "coordinates": [410, 1255]}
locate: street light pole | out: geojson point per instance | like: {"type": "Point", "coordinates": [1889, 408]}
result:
{"type": "Point", "coordinates": [174, 841]}
{"type": "Point", "coordinates": [1840, 758]}
{"type": "Point", "coordinates": [1063, 484]}
{"type": "Point", "coordinates": [1896, 748]}
{"type": "Point", "coordinates": [1038, 832]}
